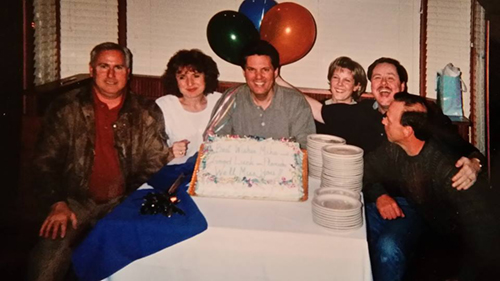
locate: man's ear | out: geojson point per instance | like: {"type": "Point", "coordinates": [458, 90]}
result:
{"type": "Point", "coordinates": [91, 70]}
{"type": "Point", "coordinates": [402, 87]}
{"type": "Point", "coordinates": [276, 72]}
{"type": "Point", "coordinates": [408, 131]}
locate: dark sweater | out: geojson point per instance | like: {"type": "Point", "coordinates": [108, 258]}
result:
{"type": "Point", "coordinates": [425, 181]}
{"type": "Point", "coordinates": [359, 124]}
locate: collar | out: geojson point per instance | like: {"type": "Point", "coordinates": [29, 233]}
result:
{"type": "Point", "coordinates": [330, 101]}
{"type": "Point", "coordinates": [97, 101]}
{"type": "Point", "coordinates": [274, 97]}
{"type": "Point", "coordinates": [86, 98]}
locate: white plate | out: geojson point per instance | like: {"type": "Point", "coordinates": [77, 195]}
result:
{"type": "Point", "coordinates": [335, 226]}
{"type": "Point", "coordinates": [337, 190]}
{"type": "Point", "coordinates": [325, 139]}
{"type": "Point", "coordinates": [344, 151]}
{"type": "Point", "coordinates": [336, 202]}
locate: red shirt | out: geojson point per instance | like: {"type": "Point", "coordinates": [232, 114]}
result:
{"type": "Point", "coordinates": [106, 180]}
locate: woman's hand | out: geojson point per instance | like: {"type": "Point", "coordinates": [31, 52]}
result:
{"type": "Point", "coordinates": [179, 148]}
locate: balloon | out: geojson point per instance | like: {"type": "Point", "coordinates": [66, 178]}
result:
{"type": "Point", "coordinates": [255, 10]}
{"type": "Point", "coordinates": [291, 29]}
{"type": "Point", "coordinates": [228, 32]}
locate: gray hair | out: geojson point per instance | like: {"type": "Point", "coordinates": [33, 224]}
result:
{"type": "Point", "coordinates": [110, 46]}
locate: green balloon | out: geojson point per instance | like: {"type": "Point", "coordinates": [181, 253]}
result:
{"type": "Point", "coordinates": [228, 32]}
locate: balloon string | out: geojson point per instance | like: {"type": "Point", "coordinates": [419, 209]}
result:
{"type": "Point", "coordinates": [280, 81]}
{"type": "Point", "coordinates": [221, 112]}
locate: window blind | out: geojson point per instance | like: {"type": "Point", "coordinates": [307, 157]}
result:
{"type": "Point", "coordinates": [478, 101]}
{"type": "Point", "coordinates": [45, 42]}
{"type": "Point", "coordinates": [84, 24]}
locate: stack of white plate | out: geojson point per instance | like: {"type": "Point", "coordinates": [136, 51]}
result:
{"type": "Point", "coordinates": [342, 167]}
{"type": "Point", "coordinates": [315, 143]}
{"type": "Point", "coordinates": [337, 190]}
{"type": "Point", "coordinates": [337, 211]}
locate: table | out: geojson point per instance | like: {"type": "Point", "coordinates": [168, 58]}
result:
{"type": "Point", "coordinates": [258, 240]}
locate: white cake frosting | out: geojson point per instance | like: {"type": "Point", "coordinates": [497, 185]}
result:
{"type": "Point", "coordinates": [242, 167]}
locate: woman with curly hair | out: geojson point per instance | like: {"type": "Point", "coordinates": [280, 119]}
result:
{"type": "Point", "coordinates": [190, 80]}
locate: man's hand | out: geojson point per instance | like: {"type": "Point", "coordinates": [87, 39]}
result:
{"type": "Point", "coordinates": [467, 175]}
{"type": "Point", "coordinates": [179, 148]}
{"type": "Point", "coordinates": [58, 220]}
{"type": "Point", "coordinates": [388, 208]}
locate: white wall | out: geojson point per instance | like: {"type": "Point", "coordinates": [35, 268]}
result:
{"type": "Point", "coordinates": [361, 29]}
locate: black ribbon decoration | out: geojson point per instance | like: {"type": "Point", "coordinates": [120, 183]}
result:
{"type": "Point", "coordinates": [163, 203]}
{"type": "Point", "coordinates": [160, 203]}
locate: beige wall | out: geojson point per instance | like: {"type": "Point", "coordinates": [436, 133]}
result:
{"type": "Point", "coordinates": [362, 29]}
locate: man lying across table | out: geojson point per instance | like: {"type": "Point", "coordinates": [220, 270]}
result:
{"type": "Point", "coordinates": [419, 168]}
{"type": "Point", "coordinates": [97, 145]}
{"type": "Point", "coordinates": [261, 107]}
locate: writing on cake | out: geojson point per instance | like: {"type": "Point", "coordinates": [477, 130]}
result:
{"type": "Point", "coordinates": [242, 167]}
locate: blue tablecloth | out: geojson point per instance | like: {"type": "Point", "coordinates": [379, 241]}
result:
{"type": "Point", "coordinates": [125, 235]}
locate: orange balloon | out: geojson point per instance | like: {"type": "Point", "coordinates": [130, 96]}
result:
{"type": "Point", "coordinates": [291, 29]}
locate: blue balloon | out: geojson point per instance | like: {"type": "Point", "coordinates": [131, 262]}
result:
{"type": "Point", "coordinates": [255, 10]}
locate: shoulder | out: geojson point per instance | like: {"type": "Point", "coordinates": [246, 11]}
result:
{"type": "Point", "coordinates": [168, 103]}
{"type": "Point", "coordinates": [445, 152]}
{"type": "Point", "coordinates": [387, 154]}
{"type": "Point", "coordinates": [213, 100]}
{"type": "Point", "coordinates": [291, 93]}
{"type": "Point", "coordinates": [342, 110]}
{"type": "Point", "coordinates": [215, 96]}
{"type": "Point", "coordinates": [367, 105]}
{"type": "Point", "coordinates": [140, 100]}
{"type": "Point", "coordinates": [167, 99]}
{"type": "Point", "coordinates": [440, 158]}
{"type": "Point", "coordinates": [237, 91]}
{"type": "Point", "coordinates": [291, 97]}
{"type": "Point", "coordinates": [69, 101]}
{"type": "Point", "coordinates": [240, 93]}
{"type": "Point", "coordinates": [143, 106]}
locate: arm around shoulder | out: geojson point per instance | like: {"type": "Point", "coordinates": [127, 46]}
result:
{"type": "Point", "coordinates": [301, 121]}
{"type": "Point", "coordinates": [316, 108]}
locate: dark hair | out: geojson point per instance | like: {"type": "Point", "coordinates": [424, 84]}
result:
{"type": "Point", "coordinates": [110, 46]}
{"type": "Point", "coordinates": [357, 72]}
{"type": "Point", "coordinates": [261, 48]}
{"type": "Point", "coordinates": [418, 120]}
{"type": "Point", "coordinates": [402, 73]}
{"type": "Point", "coordinates": [195, 60]}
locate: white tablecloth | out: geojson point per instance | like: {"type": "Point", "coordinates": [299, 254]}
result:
{"type": "Point", "coordinates": [258, 240]}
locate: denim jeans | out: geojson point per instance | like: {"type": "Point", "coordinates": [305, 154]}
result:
{"type": "Point", "coordinates": [391, 242]}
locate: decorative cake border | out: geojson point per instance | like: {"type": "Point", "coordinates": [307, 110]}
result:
{"type": "Point", "coordinates": [305, 174]}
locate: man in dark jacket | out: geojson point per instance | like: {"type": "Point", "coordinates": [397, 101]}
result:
{"type": "Point", "coordinates": [417, 168]}
{"type": "Point", "coordinates": [97, 145]}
